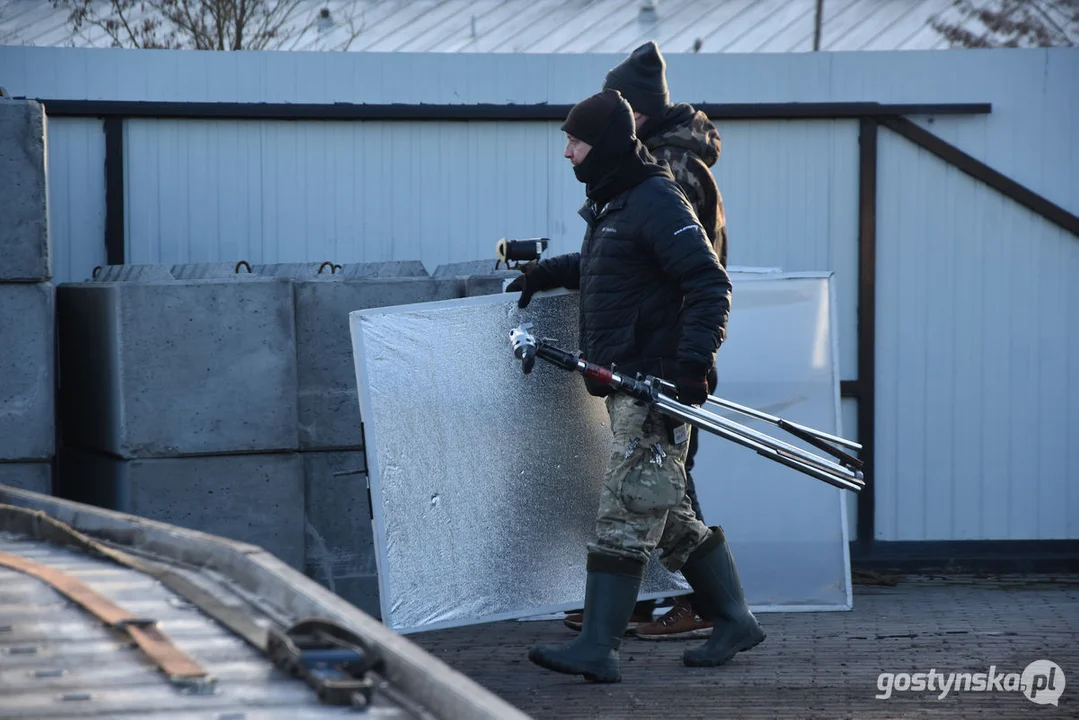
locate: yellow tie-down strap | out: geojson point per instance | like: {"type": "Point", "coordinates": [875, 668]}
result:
{"type": "Point", "coordinates": [174, 662]}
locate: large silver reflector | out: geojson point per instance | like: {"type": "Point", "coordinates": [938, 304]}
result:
{"type": "Point", "coordinates": [484, 481]}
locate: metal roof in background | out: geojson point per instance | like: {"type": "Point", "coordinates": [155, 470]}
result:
{"type": "Point", "coordinates": [558, 26]}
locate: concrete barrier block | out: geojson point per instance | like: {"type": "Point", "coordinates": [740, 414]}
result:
{"type": "Point", "coordinates": [202, 271]}
{"type": "Point", "coordinates": [27, 371]}
{"type": "Point", "coordinates": [24, 194]}
{"type": "Point", "coordinates": [473, 267]}
{"type": "Point", "coordinates": [35, 477]}
{"type": "Point", "coordinates": [295, 270]}
{"type": "Point", "coordinates": [362, 592]}
{"type": "Point", "coordinates": [256, 498]}
{"type": "Point", "coordinates": [484, 284]}
{"type": "Point", "coordinates": [178, 368]}
{"type": "Point", "coordinates": [339, 544]}
{"type": "Point", "coordinates": [329, 409]}
{"type": "Point", "coordinates": [237, 272]}
{"type": "Point", "coordinates": [390, 268]}
{"type": "Point", "coordinates": [131, 273]}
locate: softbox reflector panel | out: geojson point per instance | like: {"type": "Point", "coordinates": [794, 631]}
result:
{"type": "Point", "coordinates": [787, 531]}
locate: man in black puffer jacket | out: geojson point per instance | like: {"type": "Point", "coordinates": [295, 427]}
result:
{"type": "Point", "coordinates": [687, 141]}
{"type": "Point", "coordinates": [654, 299]}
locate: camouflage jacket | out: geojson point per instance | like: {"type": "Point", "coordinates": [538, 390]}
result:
{"type": "Point", "coordinates": [689, 143]}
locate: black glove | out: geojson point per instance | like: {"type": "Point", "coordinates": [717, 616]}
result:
{"type": "Point", "coordinates": [692, 385]}
{"type": "Point", "coordinates": [529, 283]}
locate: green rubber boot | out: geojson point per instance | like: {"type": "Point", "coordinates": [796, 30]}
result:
{"type": "Point", "coordinates": [610, 594]}
{"type": "Point", "coordinates": [711, 573]}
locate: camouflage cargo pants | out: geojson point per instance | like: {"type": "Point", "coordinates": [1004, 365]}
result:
{"type": "Point", "coordinates": [643, 503]}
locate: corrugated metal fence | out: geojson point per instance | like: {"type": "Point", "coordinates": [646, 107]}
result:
{"type": "Point", "coordinates": [977, 398]}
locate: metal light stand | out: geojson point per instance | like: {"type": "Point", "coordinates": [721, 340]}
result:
{"type": "Point", "coordinates": [845, 474]}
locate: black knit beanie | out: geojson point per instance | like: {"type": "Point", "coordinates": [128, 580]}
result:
{"type": "Point", "coordinates": [641, 78]}
{"type": "Point", "coordinates": [590, 118]}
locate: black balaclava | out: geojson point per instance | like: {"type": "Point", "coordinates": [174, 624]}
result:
{"type": "Point", "coordinates": [617, 160]}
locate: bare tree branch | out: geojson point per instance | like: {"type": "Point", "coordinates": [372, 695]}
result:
{"type": "Point", "coordinates": [1011, 23]}
{"type": "Point", "coordinates": [194, 24]}
{"type": "Point", "coordinates": [354, 30]}
{"type": "Point", "coordinates": [9, 36]}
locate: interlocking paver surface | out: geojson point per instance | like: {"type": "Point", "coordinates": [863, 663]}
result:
{"type": "Point", "coordinates": [813, 665]}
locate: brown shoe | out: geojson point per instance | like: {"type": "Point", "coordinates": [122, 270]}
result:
{"type": "Point", "coordinates": [574, 621]}
{"type": "Point", "coordinates": [680, 622]}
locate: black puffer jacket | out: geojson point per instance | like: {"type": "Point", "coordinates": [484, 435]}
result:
{"type": "Point", "coordinates": [654, 297]}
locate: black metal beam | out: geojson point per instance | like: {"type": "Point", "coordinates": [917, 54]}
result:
{"type": "Point", "coordinates": [114, 190]}
{"type": "Point", "coordinates": [867, 320]}
{"type": "Point", "coordinates": [849, 388]}
{"type": "Point", "coordinates": [982, 172]}
{"type": "Point", "coordinates": [966, 556]}
{"type": "Point", "coordinates": [485, 111]}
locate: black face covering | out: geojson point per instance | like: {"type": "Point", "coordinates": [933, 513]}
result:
{"type": "Point", "coordinates": [615, 164]}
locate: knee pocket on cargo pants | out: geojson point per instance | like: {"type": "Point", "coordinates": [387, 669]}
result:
{"type": "Point", "coordinates": [650, 489]}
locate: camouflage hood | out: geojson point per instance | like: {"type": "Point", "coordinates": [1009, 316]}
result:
{"type": "Point", "coordinates": [685, 127]}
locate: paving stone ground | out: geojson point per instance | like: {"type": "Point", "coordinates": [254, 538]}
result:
{"type": "Point", "coordinates": [813, 665]}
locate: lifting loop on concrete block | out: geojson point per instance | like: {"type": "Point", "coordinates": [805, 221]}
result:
{"type": "Point", "coordinates": [245, 263]}
{"type": "Point", "coordinates": [333, 268]}
{"type": "Point", "coordinates": [177, 665]}
{"type": "Point", "coordinates": [95, 272]}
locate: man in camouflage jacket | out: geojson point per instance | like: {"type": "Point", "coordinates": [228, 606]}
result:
{"type": "Point", "coordinates": [687, 141]}
{"type": "Point", "coordinates": [679, 135]}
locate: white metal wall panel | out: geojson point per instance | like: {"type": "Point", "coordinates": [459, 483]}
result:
{"type": "Point", "coordinates": [790, 191]}
{"type": "Point", "coordinates": [977, 359]}
{"type": "Point", "coordinates": [266, 192]}
{"type": "Point", "coordinates": [202, 191]}
{"type": "Point", "coordinates": [76, 170]}
{"type": "Point", "coordinates": [1031, 91]}
{"type": "Point", "coordinates": [1031, 134]}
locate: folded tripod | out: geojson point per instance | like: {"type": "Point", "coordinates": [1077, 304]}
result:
{"type": "Point", "coordinates": [845, 474]}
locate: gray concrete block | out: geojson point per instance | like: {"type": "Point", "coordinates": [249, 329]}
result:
{"type": "Point", "coordinates": [339, 544]}
{"type": "Point", "coordinates": [390, 268]}
{"type": "Point", "coordinates": [256, 499]}
{"type": "Point", "coordinates": [485, 284]}
{"type": "Point", "coordinates": [178, 368]}
{"type": "Point", "coordinates": [131, 273]}
{"type": "Point", "coordinates": [24, 192]}
{"type": "Point", "coordinates": [237, 272]}
{"type": "Point", "coordinates": [474, 267]}
{"type": "Point", "coordinates": [329, 408]}
{"type": "Point", "coordinates": [361, 592]}
{"type": "Point", "coordinates": [27, 371]}
{"type": "Point", "coordinates": [202, 271]}
{"type": "Point", "coordinates": [35, 477]}
{"type": "Point", "coordinates": [295, 270]}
